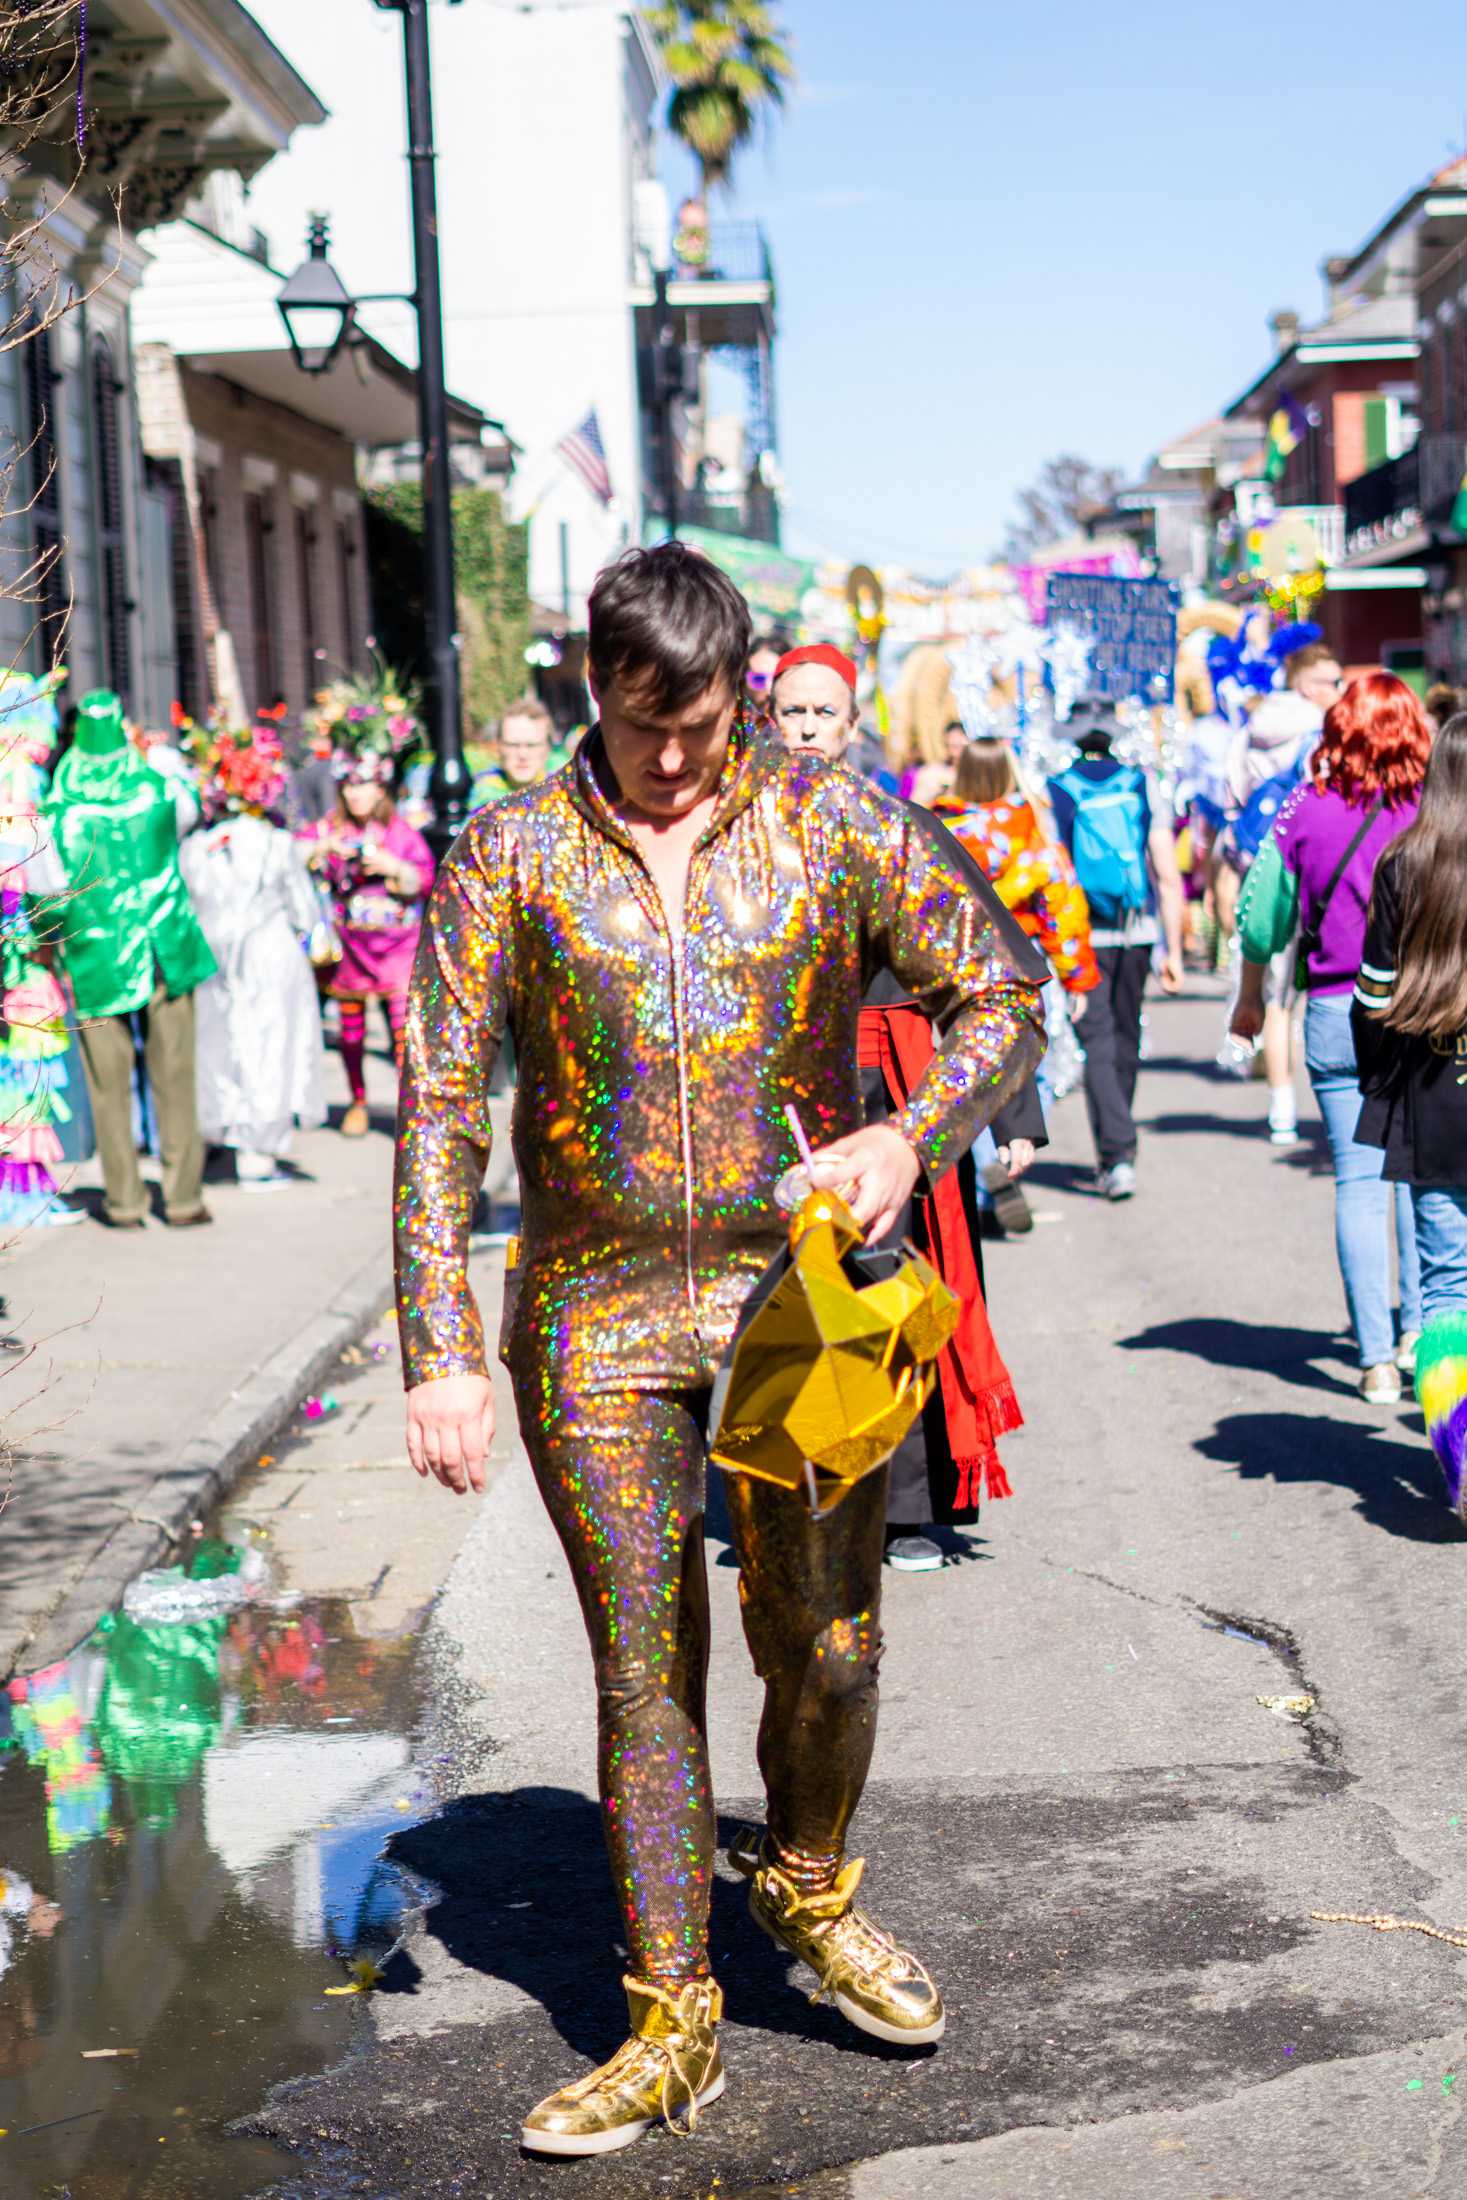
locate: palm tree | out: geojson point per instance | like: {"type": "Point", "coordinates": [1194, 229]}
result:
{"type": "Point", "coordinates": [729, 63]}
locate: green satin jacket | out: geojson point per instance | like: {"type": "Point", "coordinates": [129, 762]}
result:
{"type": "Point", "coordinates": [125, 920]}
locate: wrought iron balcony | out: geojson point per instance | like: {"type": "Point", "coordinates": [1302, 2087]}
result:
{"type": "Point", "coordinates": [754, 515]}
{"type": "Point", "coordinates": [1406, 495]}
{"type": "Point", "coordinates": [727, 300]}
{"type": "Point", "coordinates": [1383, 506]}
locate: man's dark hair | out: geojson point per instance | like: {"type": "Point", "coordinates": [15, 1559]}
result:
{"type": "Point", "coordinates": [1094, 726]}
{"type": "Point", "coordinates": [667, 622]}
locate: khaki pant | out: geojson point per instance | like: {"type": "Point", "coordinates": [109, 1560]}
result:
{"type": "Point", "coordinates": [107, 1054]}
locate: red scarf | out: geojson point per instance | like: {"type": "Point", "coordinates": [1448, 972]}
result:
{"type": "Point", "coordinates": [977, 1389]}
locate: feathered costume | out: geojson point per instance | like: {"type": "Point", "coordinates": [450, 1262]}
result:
{"type": "Point", "coordinates": [34, 1044]}
{"type": "Point", "coordinates": [1441, 1389]}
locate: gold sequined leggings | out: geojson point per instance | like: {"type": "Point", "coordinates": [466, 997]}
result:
{"type": "Point", "coordinates": [623, 1477]}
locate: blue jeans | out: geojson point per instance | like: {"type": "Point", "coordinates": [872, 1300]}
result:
{"type": "Point", "coordinates": [985, 1150]}
{"type": "Point", "coordinates": [1441, 1239]}
{"type": "Point", "coordinates": [1363, 1200]}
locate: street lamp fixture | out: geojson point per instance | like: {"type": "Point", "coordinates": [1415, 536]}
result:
{"type": "Point", "coordinates": [318, 310]}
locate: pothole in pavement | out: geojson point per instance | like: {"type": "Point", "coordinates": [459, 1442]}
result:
{"type": "Point", "coordinates": [1301, 1705]}
{"type": "Point", "coordinates": [194, 1807]}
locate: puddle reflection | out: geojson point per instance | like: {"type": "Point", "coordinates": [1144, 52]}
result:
{"type": "Point", "coordinates": [192, 1818]}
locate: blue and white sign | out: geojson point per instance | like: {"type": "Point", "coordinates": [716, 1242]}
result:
{"type": "Point", "coordinates": [1131, 627]}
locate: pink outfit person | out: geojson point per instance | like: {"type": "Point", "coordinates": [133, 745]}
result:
{"type": "Point", "coordinates": [377, 929]}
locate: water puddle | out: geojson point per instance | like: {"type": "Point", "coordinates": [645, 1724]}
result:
{"type": "Point", "coordinates": [193, 1809]}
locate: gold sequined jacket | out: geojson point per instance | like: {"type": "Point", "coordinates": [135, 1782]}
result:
{"type": "Point", "coordinates": [654, 1071]}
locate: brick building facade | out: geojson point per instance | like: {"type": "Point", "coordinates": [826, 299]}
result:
{"type": "Point", "coordinates": [270, 596]}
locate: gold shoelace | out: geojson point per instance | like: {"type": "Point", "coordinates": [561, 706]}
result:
{"type": "Point", "coordinates": [620, 2070]}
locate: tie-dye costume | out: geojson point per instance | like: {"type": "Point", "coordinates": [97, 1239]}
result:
{"type": "Point", "coordinates": [1033, 878]}
{"type": "Point", "coordinates": [1441, 1389]}
{"type": "Point", "coordinates": [649, 1128]}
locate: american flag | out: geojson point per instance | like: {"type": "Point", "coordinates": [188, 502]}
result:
{"type": "Point", "coordinates": [584, 450]}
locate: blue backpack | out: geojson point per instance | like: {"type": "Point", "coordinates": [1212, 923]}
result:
{"type": "Point", "coordinates": [1250, 828]}
{"type": "Point", "coordinates": [1108, 841]}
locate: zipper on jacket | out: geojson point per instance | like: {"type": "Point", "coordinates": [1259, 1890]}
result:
{"type": "Point", "coordinates": [685, 1116]}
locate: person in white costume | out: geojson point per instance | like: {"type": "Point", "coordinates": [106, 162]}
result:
{"type": "Point", "coordinates": [261, 1061]}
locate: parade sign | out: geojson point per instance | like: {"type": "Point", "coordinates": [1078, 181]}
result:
{"type": "Point", "coordinates": [1131, 627]}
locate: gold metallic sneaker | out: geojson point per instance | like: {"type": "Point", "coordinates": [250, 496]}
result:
{"type": "Point", "coordinates": [880, 1987]}
{"type": "Point", "coordinates": [669, 2068]}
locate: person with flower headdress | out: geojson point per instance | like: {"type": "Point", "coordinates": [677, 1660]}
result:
{"type": "Point", "coordinates": [376, 868]}
{"type": "Point", "coordinates": [260, 1058]}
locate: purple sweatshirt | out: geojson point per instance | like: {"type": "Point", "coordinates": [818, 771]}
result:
{"type": "Point", "coordinates": [1312, 831]}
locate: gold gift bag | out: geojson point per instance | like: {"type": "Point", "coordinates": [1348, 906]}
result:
{"type": "Point", "coordinates": [834, 1359]}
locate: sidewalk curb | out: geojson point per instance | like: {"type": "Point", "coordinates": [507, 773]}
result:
{"type": "Point", "coordinates": [205, 1470]}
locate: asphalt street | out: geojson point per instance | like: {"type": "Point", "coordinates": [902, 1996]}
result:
{"type": "Point", "coordinates": [1081, 1813]}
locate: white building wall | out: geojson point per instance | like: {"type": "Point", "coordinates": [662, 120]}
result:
{"type": "Point", "coordinates": [543, 124]}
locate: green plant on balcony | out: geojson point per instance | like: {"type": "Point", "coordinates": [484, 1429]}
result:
{"type": "Point", "coordinates": [730, 66]}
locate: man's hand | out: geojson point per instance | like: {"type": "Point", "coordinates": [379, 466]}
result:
{"type": "Point", "coordinates": [1246, 1021]}
{"type": "Point", "coordinates": [1017, 1156]}
{"type": "Point", "coordinates": [450, 1425]}
{"type": "Point", "coordinates": [1171, 973]}
{"type": "Point", "coordinates": [1077, 1004]}
{"type": "Point", "coordinates": [878, 1172]}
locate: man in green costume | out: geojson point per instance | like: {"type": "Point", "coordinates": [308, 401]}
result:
{"type": "Point", "coordinates": [132, 946]}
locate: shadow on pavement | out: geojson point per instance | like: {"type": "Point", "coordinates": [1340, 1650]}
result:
{"type": "Point", "coordinates": [1398, 1486]}
{"type": "Point", "coordinates": [526, 1897]}
{"type": "Point", "coordinates": [1255, 1347]}
{"type": "Point", "coordinates": [1135, 1938]}
{"type": "Point", "coordinates": [1064, 1176]}
{"type": "Point", "coordinates": [1252, 1127]}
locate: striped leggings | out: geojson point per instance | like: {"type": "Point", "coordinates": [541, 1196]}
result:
{"type": "Point", "coordinates": [354, 1035]}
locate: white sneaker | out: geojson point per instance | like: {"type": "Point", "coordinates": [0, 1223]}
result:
{"type": "Point", "coordinates": [58, 1216]}
{"type": "Point", "coordinates": [914, 1554]}
{"type": "Point", "coordinates": [1119, 1181]}
{"type": "Point", "coordinates": [278, 1181]}
{"type": "Point", "coordinates": [1283, 1116]}
{"type": "Point", "coordinates": [1406, 1351]}
{"type": "Point", "coordinates": [1381, 1386]}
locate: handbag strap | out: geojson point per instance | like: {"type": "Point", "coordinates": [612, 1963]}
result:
{"type": "Point", "coordinates": [1312, 931]}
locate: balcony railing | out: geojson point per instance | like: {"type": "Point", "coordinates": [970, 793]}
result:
{"type": "Point", "coordinates": [737, 253]}
{"type": "Point", "coordinates": [1383, 506]}
{"type": "Point", "coordinates": [754, 515]}
{"type": "Point", "coordinates": [1395, 500]}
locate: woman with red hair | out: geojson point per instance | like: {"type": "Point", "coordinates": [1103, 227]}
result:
{"type": "Point", "coordinates": [1316, 870]}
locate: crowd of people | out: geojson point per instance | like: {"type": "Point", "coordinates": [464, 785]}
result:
{"type": "Point", "coordinates": [1301, 804]}
{"type": "Point", "coordinates": [193, 916]}
{"type": "Point", "coordinates": [187, 914]}
{"type": "Point", "coordinates": [694, 940]}
{"type": "Point", "coordinates": [717, 922]}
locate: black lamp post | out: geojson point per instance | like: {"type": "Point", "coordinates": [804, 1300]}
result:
{"type": "Point", "coordinates": [449, 786]}
{"type": "Point", "coordinates": [309, 293]}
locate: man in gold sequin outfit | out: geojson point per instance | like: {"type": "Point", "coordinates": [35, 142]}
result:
{"type": "Point", "coordinates": [678, 931]}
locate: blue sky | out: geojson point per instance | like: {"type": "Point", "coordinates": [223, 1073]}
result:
{"type": "Point", "coordinates": [1004, 231]}
{"type": "Point", "coordinates": [1000, 231]}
